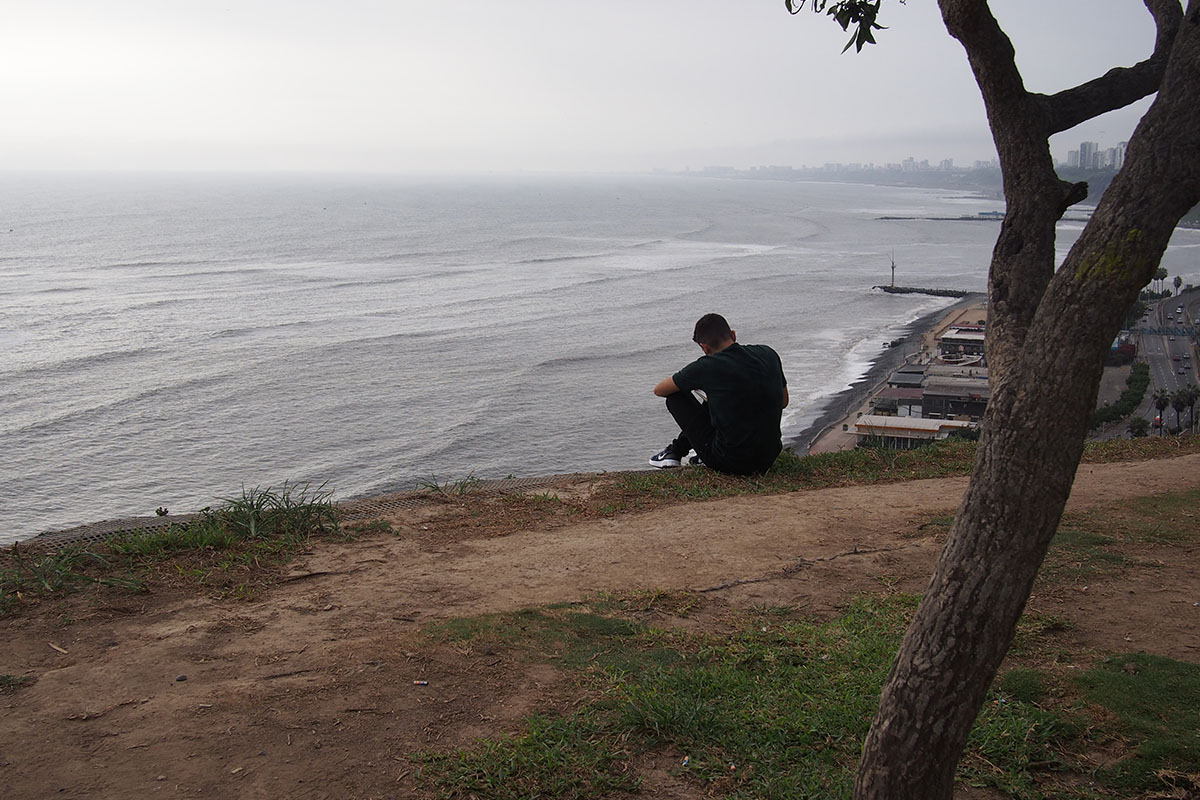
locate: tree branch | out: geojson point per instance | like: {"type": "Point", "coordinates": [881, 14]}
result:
{"type": "Point", "coordinates": [993, 61]}
{"type": "Point", "coordinates": [1023, 260]}
{"type": "Point", "coordinates": [1120, 86]}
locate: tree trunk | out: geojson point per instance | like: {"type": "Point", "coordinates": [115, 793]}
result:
{"type": "Point", "coordinates": [1048, 333]}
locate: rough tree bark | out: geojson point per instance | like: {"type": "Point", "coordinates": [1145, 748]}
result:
{"type": "Point", "coordinates": [1047, 334]}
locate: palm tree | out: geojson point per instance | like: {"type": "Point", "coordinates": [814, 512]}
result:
{"type": "Point", "coordinates": [1162, 399]}
{"type": "Point", "coordinates": [1138, 427]}
{"type": "Point", "coordinates": [1178, 282]}
{"type": "Point", "coordinates": [1193, 396]}
{"type": "Point", "coordinates": [1179, 401]}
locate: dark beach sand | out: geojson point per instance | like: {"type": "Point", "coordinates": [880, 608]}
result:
{"type": "Point", "coordinates": [844, 402]}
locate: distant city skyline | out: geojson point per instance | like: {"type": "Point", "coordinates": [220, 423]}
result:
{"type": "Point", "coordinates": [909, 164]}
{"type": "Point", "coordinates": [1089, 155]}
{"type": "Point", "coordinates": [1108, 158]}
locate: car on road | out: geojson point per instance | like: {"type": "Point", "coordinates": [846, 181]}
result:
{"type": "Point", "coordinates": [1176, 358]}
{"type": "Point", "coordinates": [1182, 371]}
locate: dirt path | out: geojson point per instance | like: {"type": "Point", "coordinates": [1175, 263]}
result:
{"type": "Point", "coordinates": [308, 691]}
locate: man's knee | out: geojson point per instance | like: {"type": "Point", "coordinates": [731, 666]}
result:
{"type": "Point", "coordinates": [682, 401]}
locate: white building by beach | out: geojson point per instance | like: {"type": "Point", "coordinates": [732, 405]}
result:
{"type": "Point", "coordinates": [905, 433]}
{"type": "Point", "coordinates": [962, 344]}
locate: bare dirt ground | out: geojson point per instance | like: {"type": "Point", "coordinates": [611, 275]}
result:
{"type": "Point", "coordinates": [307, 691]}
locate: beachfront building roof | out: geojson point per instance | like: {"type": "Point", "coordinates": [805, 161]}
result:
{"type": "Point", "coordinates": [957, 371]}
{"type": "Point", "coordinates": [963, 341]}
{"type": "Point", "coordinates": [955, 398]}
{"type": "Point", "coordinates": [904, 433]}
{"type": "Point", "coordinates": [906, 380]}
{"type": "Point", "coordinates": [898, 401]}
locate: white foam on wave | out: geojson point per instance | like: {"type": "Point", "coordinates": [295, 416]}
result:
{"type": "Point", "coordinates": [855, 354]}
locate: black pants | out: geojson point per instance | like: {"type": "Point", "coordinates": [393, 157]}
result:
{"type": "Point", "coordinates": [696, 428]}
{"type": "Point", "coordinates": [697, 433]}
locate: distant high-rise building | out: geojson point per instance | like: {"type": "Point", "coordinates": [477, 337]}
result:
{"type": "Point", "coordinates": [1072, 158]}
{"type": "Point", "coordinates": [1087, 155]}
{"type": "Point", "coordinates": [1119, 161]}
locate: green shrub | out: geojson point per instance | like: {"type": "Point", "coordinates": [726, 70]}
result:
{"type": "Point", "coordinates": [1136, 385]}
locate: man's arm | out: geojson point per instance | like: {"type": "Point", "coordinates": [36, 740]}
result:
{"type": "Point", "coordinates": [666, 387]}
{"type": "Point", "coordinates": [785, 396]}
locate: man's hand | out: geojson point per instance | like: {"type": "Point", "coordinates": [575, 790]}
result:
{"type": "Point", "coordinates": [666, 387]}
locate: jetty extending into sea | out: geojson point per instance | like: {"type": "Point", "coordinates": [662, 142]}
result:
{"type": "Point", "coordinates": [918, 290]}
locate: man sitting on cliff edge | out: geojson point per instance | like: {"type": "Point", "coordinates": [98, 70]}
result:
{"type": "Point", "coordinates": [736, 429]}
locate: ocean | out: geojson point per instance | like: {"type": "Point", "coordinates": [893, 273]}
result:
{"type": "Point", "coordinates": [167, 339]}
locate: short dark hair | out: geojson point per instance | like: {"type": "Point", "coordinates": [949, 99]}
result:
{"type": "Point", "coordinates": [712, 330]}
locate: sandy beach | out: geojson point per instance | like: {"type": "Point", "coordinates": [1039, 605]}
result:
{"type": "Point", "coordinates": [826, 434]}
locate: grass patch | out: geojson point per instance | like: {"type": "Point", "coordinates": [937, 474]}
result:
{"type": "Point", "coordinates": [677, 602]}
{"type": "Point", "coordinates": [1172, 518]}
{"type": "Point", "coordinates": [450, 488]}
{"type": "Point", "coordinates": [778, 709]}
{"type": "Point", "coordinates": [201, 534]}
{"type": "Point", "coordinates": [1035, 630]}
{"type": "Point", "coordinates": [572, 757]}
{"type": "Point", "coordinates": [1016, 746]}
{"type": "Point", "coordinates": [1023, 685]}
{"type": "Point", "coordinates": [1090, 543]}
{"type": "Point", "coordinates": [1141, 449]}
{"type": "Point", "coordinates": [792, 471]}
{"type": "Point", "coordinates": [256, 524]}
{"type": "Point", "coordinates": [370, 527]}
{"type": "Point", "coordinates": [11, 683]}
{"type": "Point", "coordinates": [775, 707]}
{"type": "Point", "coordinates": [568, 635]}
{"type": "Point", "coordinates": [1156, 702]}
{"type": "Point", "coordinates": [245, 534]}
{"type": "Point", "coordinates": [1079, 554]}
{"type": "Point", "coordinates": [258, 529]}
{"type": "Point", "coordinates": [28, 576]}
{"type": "Point", "coordinates": [292, 513]}
{"type": "Point", "coordinates": [855, 467]}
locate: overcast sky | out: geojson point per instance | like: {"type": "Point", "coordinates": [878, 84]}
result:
{"type": "Point", "coordinates": [402, 85]}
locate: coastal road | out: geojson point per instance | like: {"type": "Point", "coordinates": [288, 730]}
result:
{"type": "Point", "coordinates": [1169, 356]}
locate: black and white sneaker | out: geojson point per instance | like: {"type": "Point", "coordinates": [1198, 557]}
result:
{"type": "Point", "coordinates": [667, 458]}
{"type": "Point", "coordinates": [695, 460]}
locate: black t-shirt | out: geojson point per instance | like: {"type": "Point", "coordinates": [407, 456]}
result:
{"type": "Point", "coordinates": [744, 385]}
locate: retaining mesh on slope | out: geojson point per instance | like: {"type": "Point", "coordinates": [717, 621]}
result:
{"type": "Point", "coordinates": [353, 510]}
